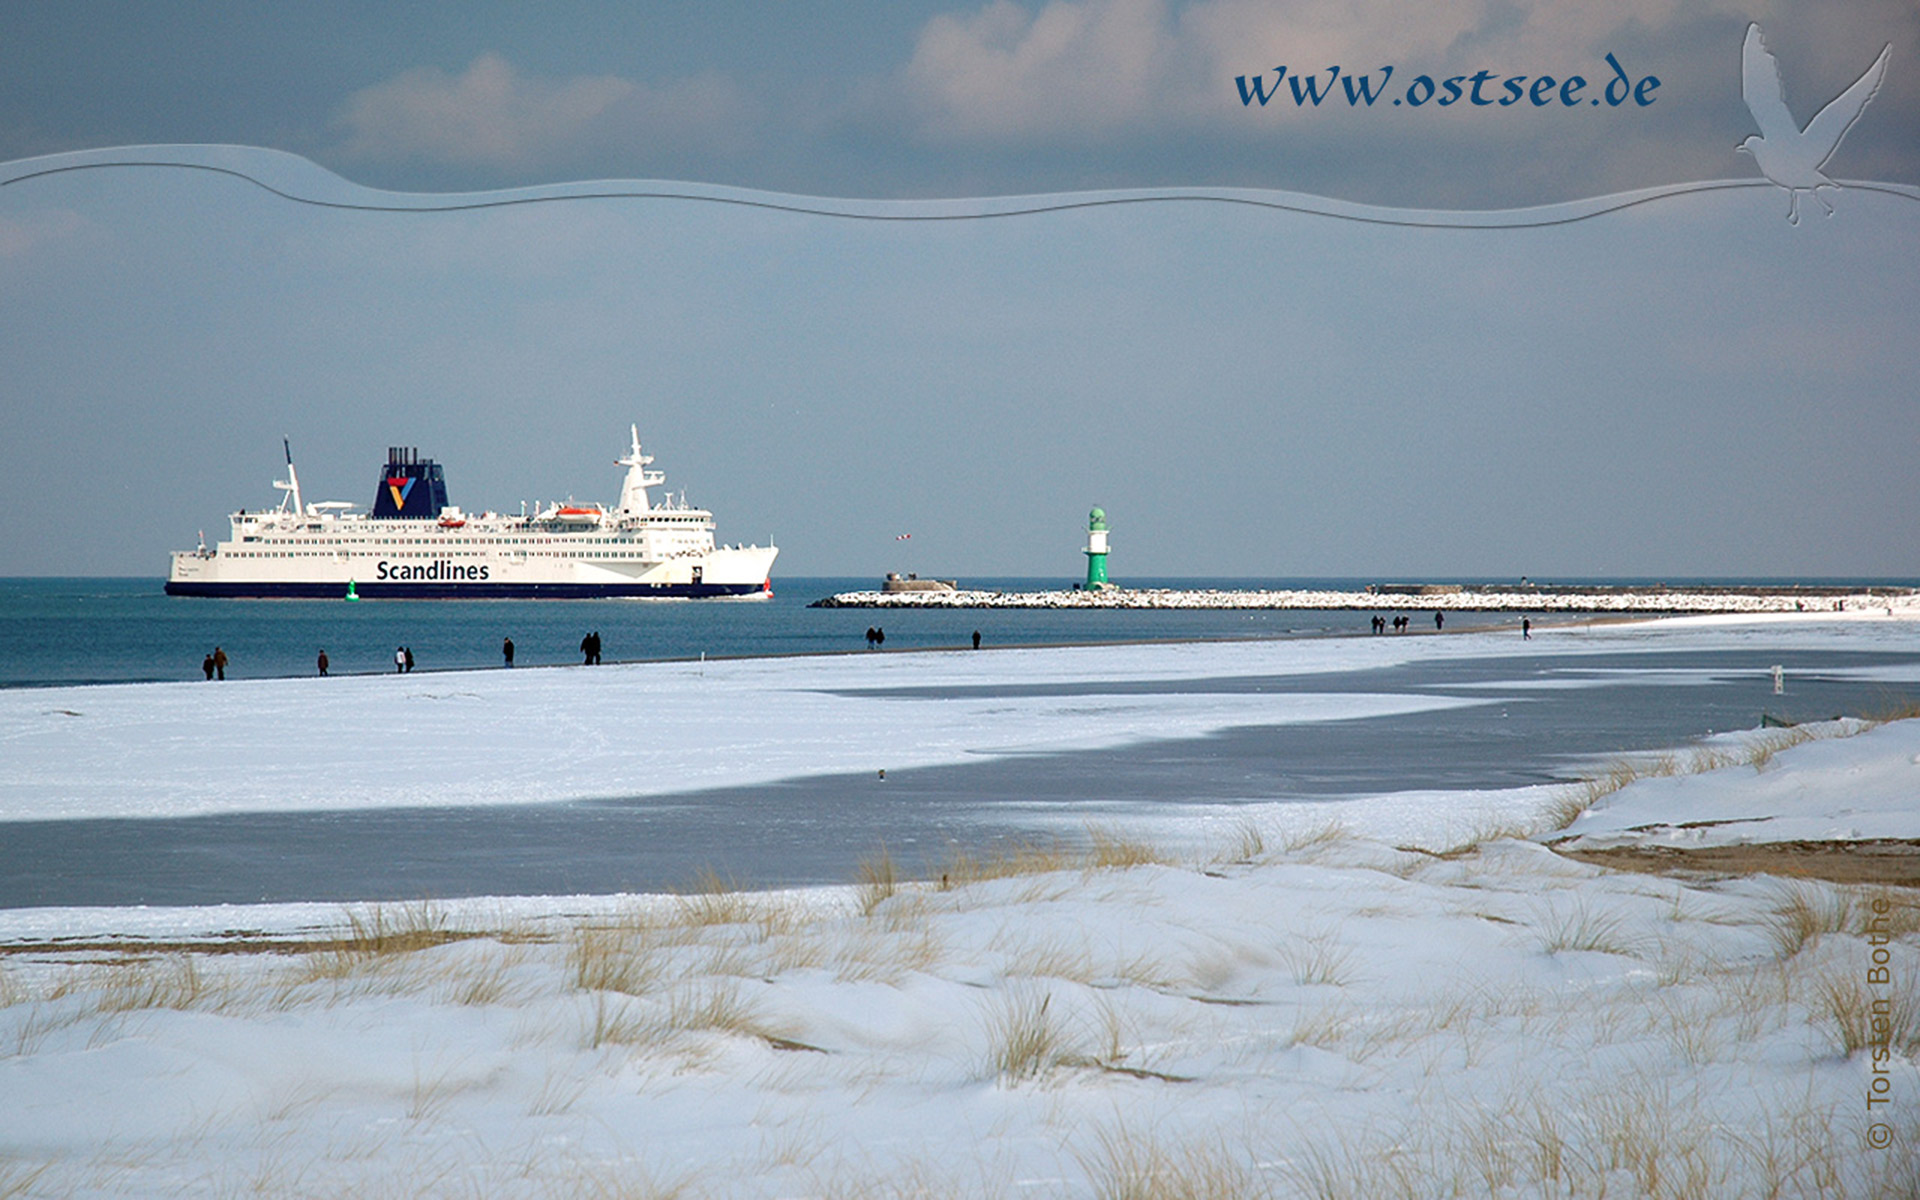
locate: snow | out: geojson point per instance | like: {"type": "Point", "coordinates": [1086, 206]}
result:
{"type": "Point", "coordinates": [1279, 1005]}
{"type": "Point", "coordinates": [500, 737]}
{"type": "Point", "coordinates": [468, 738]}
{"type": "Point", "coordinates": [1332, 1009]}
{"type": "Point", "coordinates": [1864, 787]}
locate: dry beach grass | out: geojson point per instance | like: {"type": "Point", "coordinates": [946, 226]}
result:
{"type": "Point", "coordinates": [1293, 1013]}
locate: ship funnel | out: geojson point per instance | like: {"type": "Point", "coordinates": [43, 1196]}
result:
{"type": "Point", "coordinates": [411, 488]}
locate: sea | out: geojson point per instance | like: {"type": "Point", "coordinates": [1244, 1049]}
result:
{"type": "Point", "coordinates": [93, 630]}
{"type": "Point", "coordinates": [63, 631]}
{"type": "Point", "coordinates": [1549, 711]}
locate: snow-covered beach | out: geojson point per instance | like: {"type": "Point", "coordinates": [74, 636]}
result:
{"type": "Point", "coordinates": [1408, 992]}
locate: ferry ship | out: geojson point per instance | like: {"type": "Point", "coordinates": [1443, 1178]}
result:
{"type": "Point", "coordinates": [413, 544]}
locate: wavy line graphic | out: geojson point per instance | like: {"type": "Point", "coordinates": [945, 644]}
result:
{"type": "Point", "coordinates": [302, 181]}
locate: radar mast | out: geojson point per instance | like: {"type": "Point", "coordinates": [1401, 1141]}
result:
{"type": "Point", "coordinates": [633, 493]}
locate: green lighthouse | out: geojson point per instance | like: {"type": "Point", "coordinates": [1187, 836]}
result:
{"type": "Point", "coordinates": [1096, 550]}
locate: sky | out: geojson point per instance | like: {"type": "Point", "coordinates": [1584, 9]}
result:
{"type": "Point", "coordinates": [1690, 387]}
{"type": "Point", "coordinates": [929, 98]}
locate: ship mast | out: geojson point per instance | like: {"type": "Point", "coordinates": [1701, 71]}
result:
{"type": "Point", "coordinates": [292, 484]}
{"type": "Point", "coordinates": [633, 493]}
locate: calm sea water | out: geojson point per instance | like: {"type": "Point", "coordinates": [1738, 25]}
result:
{"type": "Point", "coordinates": [815, 829]}
{"type": "Point", "coordinates": [65, 631]}
{"type": "Point", "coordinates": [90, 630]}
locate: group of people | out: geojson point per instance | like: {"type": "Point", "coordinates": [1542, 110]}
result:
{"type": "Point", "coordinates": [1400, 625]}
{"type": "Point", "coordinates": [877, 637]}
{"type": "Point", "coordinates": [1403, 622]}
{"type": "Point", "coordinates": [214, 666]}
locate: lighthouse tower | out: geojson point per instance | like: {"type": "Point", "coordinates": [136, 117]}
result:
{"type": "Point", "coordinates": [1096, 550]}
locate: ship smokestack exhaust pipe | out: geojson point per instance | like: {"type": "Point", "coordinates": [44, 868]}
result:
{"type": "Point", "coordinates": [411, 488]}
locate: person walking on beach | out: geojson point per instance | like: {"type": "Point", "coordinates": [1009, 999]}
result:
{"type": "Point", "coordinates": [506, 650]}
{"type": "Point", "coordinates": [586, 651]}
{"type": "Point", "coordinates": [1526, 629]}
{"type": "Point", "coordinates": [219, 663]}
{"type": "Point", "coordinates": [596, 647]}
{"type": "Point", "coordinates": [870, 636]}
{"type": "Point", "coordinates": [879, 635]}
{"type": "Point", "coordinates": [206, 667]}
{"type": "Point", "coordinates": [399, 660]}
{"type": "Point", "coordinates": [408, 651]}
{"type": "Point", "coordinates": [976, 639]}
{"type": "Point", "coordinates": [321, 662]}
{"type": "Point", "coordinates": [1439, 621]}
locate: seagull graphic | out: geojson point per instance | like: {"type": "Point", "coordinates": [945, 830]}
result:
{"type": "Point", "coordinates": [1787, 155]}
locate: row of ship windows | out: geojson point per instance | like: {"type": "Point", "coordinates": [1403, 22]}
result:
{"type": "Point", "coordinates": [435, 554]}
{"type": "Point", "coordinates": [444, 542]}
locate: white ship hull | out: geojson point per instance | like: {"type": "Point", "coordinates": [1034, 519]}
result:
{"type": "Point", "coordinates": [456, 574]}
{"type": "Point", "coordinates": [637, 549]}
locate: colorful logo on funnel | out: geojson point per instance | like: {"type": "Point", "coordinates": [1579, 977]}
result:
{"type": "Point", "coordinates": [399, 486]}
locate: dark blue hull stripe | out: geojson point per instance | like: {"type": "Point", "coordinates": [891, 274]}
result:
{"type": "Point", "coordinates": [464, 591]}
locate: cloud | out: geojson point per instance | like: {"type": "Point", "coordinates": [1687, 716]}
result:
{"type": "Point", "coordinates": [488, 115]}
{"type": "Point", "coordinates": [1021, 95]}
{"type": "Point", "coordinates": [1075, 68]}
{"type": "Point", "coordinates": [491, 116]}
{"type": "Point", "coordinates": [1088, 93]}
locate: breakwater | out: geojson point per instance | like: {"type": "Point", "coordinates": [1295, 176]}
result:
{"type": "Point", "coordinates": [1448, 597]}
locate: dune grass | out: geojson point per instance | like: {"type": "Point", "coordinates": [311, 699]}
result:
{"type": "Point", "coordinates": [649, 991]}
{"type": "Point", "coordinates": [1315, 837]}
{"type": "Point", "coordinates": [878, 879]}
{"type": "Point", "coordinates": [713, 900]}
{"type": "Point", "coordinates": [373, 937]}
{"type": "Point", "coordinates": [1025, 1038]}
{"type": "Point", "coordinates": [1318, 959]}
{"type": "Point", "coordinates": [962, 867]}
{"type": "Point", "coordinates": [613, 960]}
{"type": "Point", "coordinates": [18, 1178]}
{"type": "Point", "coordinates": [174, 982]}
{"type": "Point", "coordinates": [657, 988]}
{"type": "Point", "coordinates": [615, 1022]}
{"type": "Point", "coordinates": [1247, 845]}
{"type": "Point", "coordinates": [1860, 1016]}
{"type": "Point", "coordinates": [1579, 928]}
{"type": "Point", "coordinates": [1804, 912]}
{"type": "Point", "coordinates": [1109, 850]}
{"type": "Point", "coordinates": [1756, 750]}
{"type": "Point", "coordinates": [1131, 1164]}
